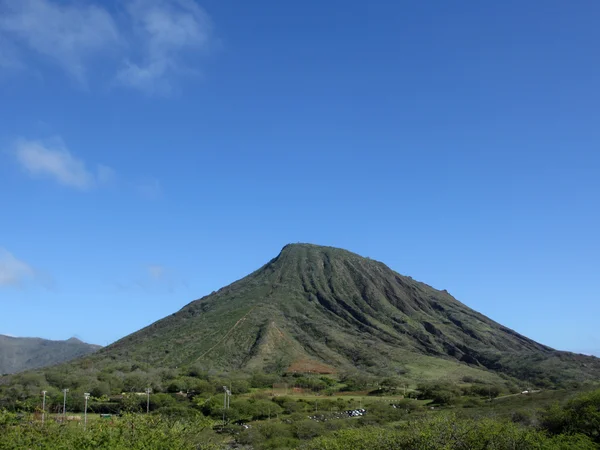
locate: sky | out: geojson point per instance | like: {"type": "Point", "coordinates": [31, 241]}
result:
{"type": "Point", "coordinates": [153, 151]}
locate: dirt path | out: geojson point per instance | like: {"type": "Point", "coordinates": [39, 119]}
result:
{"type": "Point", "coordinates": [226, 335]}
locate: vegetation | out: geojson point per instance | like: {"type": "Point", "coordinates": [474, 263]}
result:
{"type": "Point", "coordinates": [580, 415]}
{"type": "Point", "coordinates": [260, 422]}
{"type": "Point", "coordinates": [449, 433]}
{"type": "Point", "coordinates": [130, 432]}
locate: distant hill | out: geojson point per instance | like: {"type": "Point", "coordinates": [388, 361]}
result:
{"type": "Point", "coordinates": [19, 354]}
{"type": "Point", "coordinates": [323, 309]}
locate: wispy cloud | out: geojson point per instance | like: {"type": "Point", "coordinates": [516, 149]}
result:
{"type": "Point", "coordinates": [69, 34]}
{"type": "Point", "coordinates": [52, 159]}
{"type": "Point", "coordinates": [146, 46]}
{"type": "Point", "coordinates": [165, 31]}
{"type": "Point", "coordinates": [13, 272]}
{"type": "Point", "coordinates": [154, 278]}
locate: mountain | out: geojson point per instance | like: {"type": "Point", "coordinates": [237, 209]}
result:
{"type": "Point", "coordinates": [324, 309]}
{"type": "Point", "coordinates": [19, 354]}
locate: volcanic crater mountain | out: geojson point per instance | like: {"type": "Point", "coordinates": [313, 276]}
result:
{"type": "Point", "coordinates": [323, 309]}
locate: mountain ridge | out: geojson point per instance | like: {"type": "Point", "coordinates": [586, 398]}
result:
{"type": "Point", "coordinates": [18, 354]}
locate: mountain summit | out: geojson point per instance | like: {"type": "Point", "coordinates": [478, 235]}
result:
{"type": "Point", "coordinates": [324, 309]}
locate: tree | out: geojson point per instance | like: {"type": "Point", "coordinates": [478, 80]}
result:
{"type": "Point", "coordinates": [390, 384]}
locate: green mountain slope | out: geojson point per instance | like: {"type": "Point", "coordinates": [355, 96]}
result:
{"type": "Point", "coordinates": [19, 354]}
{"type": "Point", "coordinates": [324, 309]}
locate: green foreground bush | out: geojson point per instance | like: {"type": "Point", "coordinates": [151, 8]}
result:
{"type": "Point", "coordinates": [449, 433]}
{"type": "Point", "coordinates": [285, 423]}
{"type": "Point", "coordinates": [130, 432]}
{"type": "Point", "coordinates": [579, 415]}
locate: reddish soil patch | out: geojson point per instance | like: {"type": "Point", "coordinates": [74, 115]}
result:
{"type": "Point", "coordinates": [306, 365]}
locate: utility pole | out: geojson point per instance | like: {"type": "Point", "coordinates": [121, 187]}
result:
{"type": "Point", "coordinates": [43, 406]}
{"type": "Point", "coordinates": [224, 403]}
{"type": "Point", "coordinates": [65, 404]}
{"type": "Point", "coordinates": [148, 390]}
{"type": "Point", "coordinates": [86, 396]}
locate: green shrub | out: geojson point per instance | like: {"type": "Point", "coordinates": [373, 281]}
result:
{"type": "Point", "coordinates": [131, 432]}
{"type": "Point", "coordinates": [307, 429]}
{"type": "Point", "coordinates": [448, 432]}
{"type": "Point", "coordinates": [579, 415]}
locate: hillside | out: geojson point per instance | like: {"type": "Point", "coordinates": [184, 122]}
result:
{"type": "Point", "coordinates": [324, 309]}
{"type": "Point", "coordinates": [19, 354]}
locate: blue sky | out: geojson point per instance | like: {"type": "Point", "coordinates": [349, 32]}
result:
{"type": "Point", "coordinates": [153, 151]}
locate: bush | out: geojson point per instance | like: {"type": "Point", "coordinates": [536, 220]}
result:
{"type": "Point", "coordinates": [263, 380]}
{"type": "Point", "coordinates": [448, 432]}
{"type": "Point", "coordinates": [240, 387]}
{"type": "Point", "coordinates": [440, 393]}
{"type": "Point", "coordinates": [158, 401]}
{"type": "Point", "coordinates": [381, 413]}
{"type": "Point", "coordinates": [177, 412]}
{"type": "Point", "coordinates": [131, 432]}
{"type": "Point", "coordinates": [100, 389]}
{"type": "Point", "coordinates": [484, 390]}
{"type": "Point", "coordinates": [357, 381]}
{"type": "Point", "coordinates": [580, 415]}
{"type": "Point", "coordinates": [249, 409]}
{"type": "Point", "coordinates": [472, 402]}
{"type": "Point", "coordinates": [307, 429]}
{"type": "Point", "coordinates": [521, 417]}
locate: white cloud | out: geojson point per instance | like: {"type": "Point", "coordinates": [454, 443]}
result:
{"type": "Point", "coordinates": [69, 34]}
{"type": "Point", "coordinates": [12, 270]}
{"type": "Point", "coordinates": [52, 159]}
{"type": "Point", "coordinates": [146, 47]}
